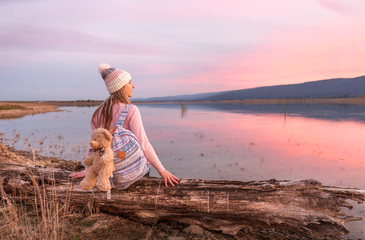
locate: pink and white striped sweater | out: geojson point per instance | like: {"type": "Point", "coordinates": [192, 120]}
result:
{"type": "Point", "coordinates": [133, 122]}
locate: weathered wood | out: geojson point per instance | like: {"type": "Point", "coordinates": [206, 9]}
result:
{"type": "Point", "coordinates": [300, 206]}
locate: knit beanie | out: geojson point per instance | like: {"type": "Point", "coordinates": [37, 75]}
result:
{"type": "Point", "coordinates": [114, 78]}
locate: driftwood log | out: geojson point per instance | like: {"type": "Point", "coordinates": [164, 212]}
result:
{"type": "Point", "coordinates": [300, 206]}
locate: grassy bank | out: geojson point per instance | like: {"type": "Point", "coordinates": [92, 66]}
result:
{"type": "Point", "coordinates": [21, 109]}
{"type": "Point", "coordinates": [12, 107]}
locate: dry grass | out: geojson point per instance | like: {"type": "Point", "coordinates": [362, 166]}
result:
{"type": "Point", "coordinates": [12, 107]}
{"type": "Point", "coordinates": [21, 109]}
{"type": "Point", "coordinates": [41, 216]}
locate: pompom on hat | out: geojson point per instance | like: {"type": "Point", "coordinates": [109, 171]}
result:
{"type": "Point", "coordinates": [114, 78]}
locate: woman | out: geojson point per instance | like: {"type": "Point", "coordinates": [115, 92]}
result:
{"type": "Point", "coordinates": [120, 87]}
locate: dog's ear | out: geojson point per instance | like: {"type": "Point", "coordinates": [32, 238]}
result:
{"type": "Point", "coordinates": [107, 135]}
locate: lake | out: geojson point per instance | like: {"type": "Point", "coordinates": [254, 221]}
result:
{"type": "Point", "coordinates": [224, 140]}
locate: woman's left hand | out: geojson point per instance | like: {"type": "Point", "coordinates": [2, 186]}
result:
{"type": "Point", "coordinates": [78, 174]}
{"type": "Point", "coordinates": [169, 178]}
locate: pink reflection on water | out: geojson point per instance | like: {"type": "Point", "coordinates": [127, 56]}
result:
{"type": "Point", "coordinates": [222, 145]}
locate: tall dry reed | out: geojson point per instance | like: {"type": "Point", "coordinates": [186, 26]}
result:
{"type": "Point", "coordinates": [34, 215]}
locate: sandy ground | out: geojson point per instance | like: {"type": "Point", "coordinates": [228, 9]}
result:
{"type": "Point", "coordinates": [21, 109]}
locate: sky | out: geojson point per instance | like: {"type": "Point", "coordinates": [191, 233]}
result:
{"type": "Point", "coordinates": [51, 49]}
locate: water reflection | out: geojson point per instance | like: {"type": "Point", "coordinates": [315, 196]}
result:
{"type": "Point", "coordinates": [251, 146]}
{"type": "Point", "coordinates": [336, 112]}
{"type": "Point", "coordinates": [60, 134]}
{"type": "Point", "coordinates": [223, 140]}
{"type": "Point", "coordinates": [253, 142]}
{"type": "Point", "coordinates": [184, 110]}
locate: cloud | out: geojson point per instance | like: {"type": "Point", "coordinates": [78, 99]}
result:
{"type": "Point", "coordinates": [179, 47]}
{"type": "Point", "coordinates": [344, 7]}
{"type": "Point", "coordinates": [40, 39]}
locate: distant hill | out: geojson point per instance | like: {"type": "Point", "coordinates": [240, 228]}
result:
{"type": "Point", "coordinates": [331, 88]}
{"type": "Point", "coordinates": [193, 97]}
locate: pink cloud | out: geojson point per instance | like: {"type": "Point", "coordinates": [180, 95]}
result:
{"type": "Point", "coordinates": [37, 38]}
{"type": "Point", "coordinates": [342, 7]}
{"type": "Point", "coordinates": [308, 54]}
{"type": "Point", "coordinates": [191, 47]}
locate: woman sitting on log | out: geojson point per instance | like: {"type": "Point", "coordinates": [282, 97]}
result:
{"type": "Point", "coordinates": [120, 87]}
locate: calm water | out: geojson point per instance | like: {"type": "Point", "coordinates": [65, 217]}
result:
{"type": "Point", "coordinates": [224, 141]}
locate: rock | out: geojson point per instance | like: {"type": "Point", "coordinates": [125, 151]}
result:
{"type": "Point", "coordinates": [176, 238]}
{"type": "Point", "coordinates": [3, 148]}
{"type": "Point", "coordinates": [194, 229]}
{"type": "Point", "coordinates": [98, 221]}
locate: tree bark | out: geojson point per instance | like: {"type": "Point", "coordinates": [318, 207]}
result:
{"type": "Point", "coordinates": [301, 206]}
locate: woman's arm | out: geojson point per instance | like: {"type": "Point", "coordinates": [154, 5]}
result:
{"type": "Point", "coordinates": [136, 126]}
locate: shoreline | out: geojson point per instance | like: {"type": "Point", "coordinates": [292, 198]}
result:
{"type": "Point", "coordinates": [18, 109]}
{"type": "Point", "coordinates": [353, 100]}
{"type": "Point", "coordinates": [10, 154]}
{"type": "Point", "coordinates": [356, 101]}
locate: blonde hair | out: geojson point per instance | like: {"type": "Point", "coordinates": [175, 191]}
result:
{"type": "Point", "coordinates": [104, 113]}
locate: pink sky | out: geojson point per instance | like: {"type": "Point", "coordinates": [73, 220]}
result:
{"type": "Point", "coordinates": [175, 47]}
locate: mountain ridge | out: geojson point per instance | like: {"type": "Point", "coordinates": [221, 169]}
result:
{"type": "Point", "coordinates": [328, 88]}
